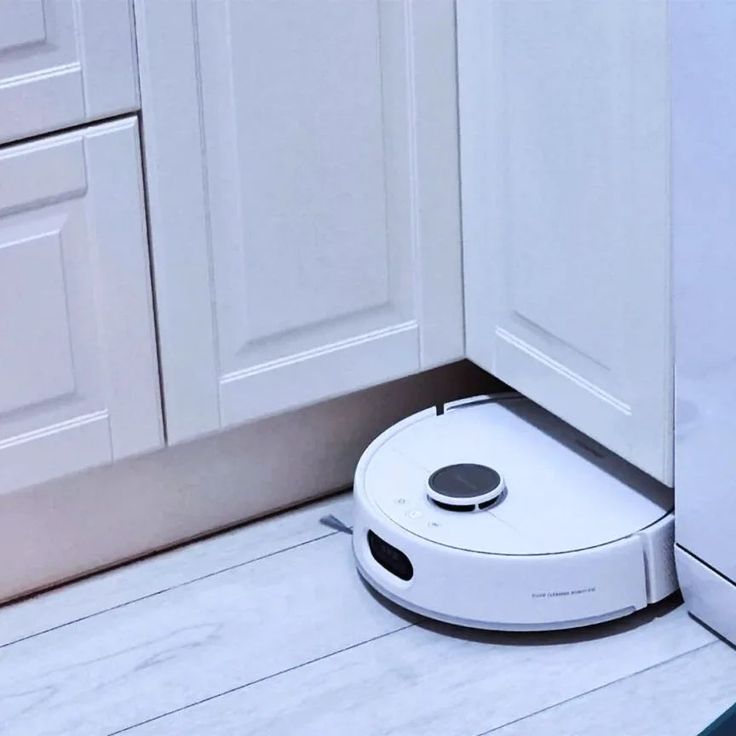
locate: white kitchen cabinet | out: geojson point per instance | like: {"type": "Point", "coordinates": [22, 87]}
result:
{"type": "Point", "coordinates": [304, 206]}
{"type": "Point", "coordinates": [64, 62]}
{"type": "Point", "coordinates": [564, 148]}
{"type": "Point", "coordinates": [78, 373]}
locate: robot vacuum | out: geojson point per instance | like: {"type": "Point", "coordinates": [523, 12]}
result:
{"type": "Point", "coordinates": [492, 513]}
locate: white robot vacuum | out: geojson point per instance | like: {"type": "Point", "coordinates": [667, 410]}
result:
{"type": "Point", "coordinates": [492, 513]}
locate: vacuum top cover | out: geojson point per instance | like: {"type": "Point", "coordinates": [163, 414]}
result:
{"type": "Point", "coordinates": [541, 486]}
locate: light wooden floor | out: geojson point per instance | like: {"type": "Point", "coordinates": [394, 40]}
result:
{"type": "Point", "coordinates": [268, 630]}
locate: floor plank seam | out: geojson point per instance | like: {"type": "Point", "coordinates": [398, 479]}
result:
{"type": "Point", "coordinates": [265, 678]}
{"type": "Point", "coordinates": [596, 689]}
{"type": "Point", "coordinates": [168, 589]}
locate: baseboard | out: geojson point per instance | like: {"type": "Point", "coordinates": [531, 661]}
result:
{"type": "Point", "coordinates": [708, 595]}
{"type": "Point", "coordinates": [70, 527]}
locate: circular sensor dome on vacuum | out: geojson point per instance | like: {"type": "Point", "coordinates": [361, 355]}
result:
{"type": "Point", "coordinates": [464, 486]}
{"type": "Point", "coordinates": [496, 514]}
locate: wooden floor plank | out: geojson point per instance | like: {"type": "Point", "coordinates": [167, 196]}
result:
{"type": "Point", "coordinates": [678, 698]}
{"type": "Point", "coordinates": [117, 587]}
{"type": "Point", "coordinates": [268, 630]}
{"type": "Point", "coordinates": [435, 681]}
{"type": "Point", "coordinates": [164, 652]}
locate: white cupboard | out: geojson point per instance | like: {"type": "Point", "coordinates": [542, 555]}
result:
{"type": "Point", "coordinates": [64, 62]}
{"type": "Point", "coordinates": [302, 172]}
{"type": "Point", "coordinates": [564, 126]}
{"type": "Point", "coordinates": [78, 371]}
{"type": "Point", "coordinates": [304, 205]}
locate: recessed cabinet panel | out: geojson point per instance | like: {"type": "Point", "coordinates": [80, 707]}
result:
{"type": "Point", "coordinates": [78, 378]}
{"type": "Point", "coordinates": [288, 220]}
{"type": "Point", "coordinates": [564, 133]}
{"type": "Point", "coordinates": [63, 62]}
{"type": "Point", "coordinates": [40, 368]}
{"type": "Point", "coordinates": [303, 251]}
{"type": "Point", "coordinates": [21, 24]}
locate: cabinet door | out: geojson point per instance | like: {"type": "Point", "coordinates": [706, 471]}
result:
{"type": "Point", "coordinates": [63, 62]}
{"type": "Point", "coordinates": [564, 135]}
{"type": "Point", "coordinates": [302, 170]}
{"type": "Point", "coordinates": [78, 376]}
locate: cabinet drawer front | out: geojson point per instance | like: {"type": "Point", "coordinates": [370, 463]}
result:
{"type": "Point", "coordinates": [78, 374]}
{"type": "Point", "coordinates": [63, 62]}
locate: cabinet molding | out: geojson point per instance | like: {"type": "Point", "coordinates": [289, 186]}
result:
{"type": "Point", "coordinates": [297, 255]}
